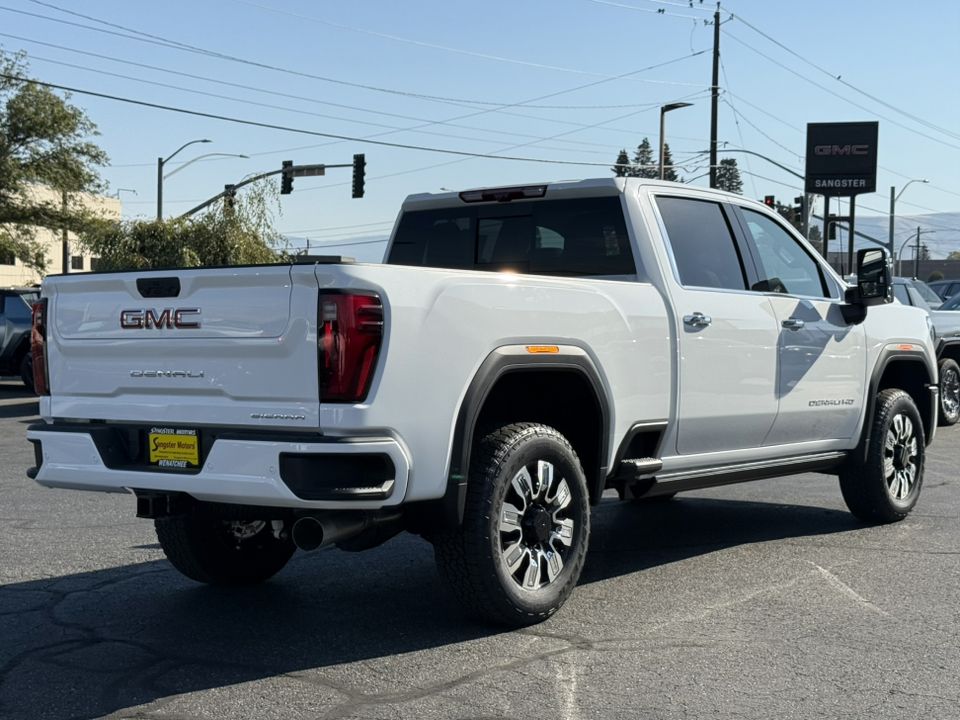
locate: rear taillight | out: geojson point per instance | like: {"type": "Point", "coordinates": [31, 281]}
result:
{"type": "Point", "coordinates": [38, 346]}
{"type": "Point", "coordinates": [351, 330]}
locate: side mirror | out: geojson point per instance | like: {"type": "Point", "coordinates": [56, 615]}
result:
{"type": "Point", "coordinates": [874, 286]}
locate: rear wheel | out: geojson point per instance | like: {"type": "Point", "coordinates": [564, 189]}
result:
{"type": "Point", "coordinates": [520, 550]}
{"type": "Point", "coordinates": [885, 485]}
{"type": "Point", "coordinates": [223, 552]}
{"type": "Point", "coordinates": [26, 371]}
{"type": "Point", "coordinates": [949, 391]}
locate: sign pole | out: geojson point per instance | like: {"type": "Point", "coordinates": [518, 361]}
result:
{"type": "Point", "coordinates": [826, 229]}
{"type": "Point", "coordinates": [853, 212]}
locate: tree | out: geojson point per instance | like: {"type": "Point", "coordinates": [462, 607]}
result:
{"type": "Point", "coordinates": [728, 176]}
{"type": "Point", "coordinates": [619, 170]}
{"type": "Point", "coordinates": [230, 233]}
{"type": "Point", "coordinates": [643, 158]}
{"type": "Point", "coordinates": [924, 252]}
{"type": "Point", "coordinates": [43, 141]}
{"type": "Point", "coordinates": [953, 255]}
{"type": "Point", "coordinates": [816, 239]}
{"type": "Point", "coordinates": [668, 173]}
{"type": "Point", "coordinates": [934, 276]}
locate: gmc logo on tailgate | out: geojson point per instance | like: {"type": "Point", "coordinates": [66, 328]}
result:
{"type": "Point", "coordinates": [166, 318]}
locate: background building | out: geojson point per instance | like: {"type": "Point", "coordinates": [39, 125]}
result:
{"type": "Point", "coordinates": [14, 273]}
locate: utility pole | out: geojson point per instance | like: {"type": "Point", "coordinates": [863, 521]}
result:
{"type": "Point", "coordinates": [65, 250]}
{"type": "Point", "coordinates": [916, 260]}
{"type": "Point", "coordinates": [714, 93]}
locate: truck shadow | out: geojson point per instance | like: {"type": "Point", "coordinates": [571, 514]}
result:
{"type": "Point", "coordinates": [87, 645]}
{"type": "Point", "coordinates": [16, 401]}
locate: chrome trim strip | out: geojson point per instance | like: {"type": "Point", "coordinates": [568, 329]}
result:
{"type": "Point", "coordinates": [742, 467]}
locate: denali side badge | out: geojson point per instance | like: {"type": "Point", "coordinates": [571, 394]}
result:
{"type": "Point", "coordinates": [166, 373]}
{"type": "Point", "coordinates": [276, 416]}
{"type": "Point", "coordinates": [167, 318]}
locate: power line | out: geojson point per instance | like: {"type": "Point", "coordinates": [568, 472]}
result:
{"type": "Point", "coordinates": [296, 97]}
{"type": "Point", "coordinates": [838, 95]}
{"type": "Point", "coordinates": [192, 48]}
{"type": "Point", "coordinates": [301, 131]}
{"type": "Point", "coordinates": [396, 38]}
{"type": "Point", "coordinates": [887, 105]}
{"type": "Point", "coordinates": [340, 227]}
{"type": "Point", "coordinates": [644, 10]}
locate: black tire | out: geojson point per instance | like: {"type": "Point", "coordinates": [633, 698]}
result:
{"type": "Point", "coordinates": [510, 540]}
{"type": "Point", "coordinates": [222, 552]}
{"type": "Point", "coordinates": [949, 392]}
{"type": "Point", "coordinates": [26, 371]}
{"type": "Point", "coordinates": [885, 486]}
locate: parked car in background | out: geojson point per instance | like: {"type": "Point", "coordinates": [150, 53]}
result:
{"type": "Point", "coordinates": [952, 304]}
{"type": "Point", "coordinates": [945, 322]}
{"type": "Point", "coordinates": [945, 288]}
{"type": "Point", "coordinates": [15, 308]}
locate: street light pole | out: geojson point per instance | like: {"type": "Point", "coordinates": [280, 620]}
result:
{"type": "Point", "coordinates": [663, 111]}
{"type": "Point", "coordinates": [893, 205]}
{"type": "Point", "coordinates": [160, 163]}
{"type": "Point", "coordinates": [200, 157]}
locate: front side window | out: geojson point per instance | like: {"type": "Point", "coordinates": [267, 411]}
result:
{"type": "Point", "coordinates": [784, 265]}
{"type": "Point", "coordinates": [702, 243]}
{"type": "Point", "coordinates": [584, 237]}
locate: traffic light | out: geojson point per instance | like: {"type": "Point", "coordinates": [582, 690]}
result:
{"type": "Point", "coordinates": [229, 194]}
{"type": "Point", "coordinates": [801, 202]}
{"type": "Point", "coordinates": [769, 201]}
{"type": "Point", "coordinates": [831, 227]}
{"type": "Point", "coordinates": [286, 183]}
{"type": "Point", "coordinates": [359, 168]}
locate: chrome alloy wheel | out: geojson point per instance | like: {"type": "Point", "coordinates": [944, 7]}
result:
{"type": "Point", "coordinates": [950, 392]}
{"type": "Point", "coordinates": [535, 534]}
{"type": "Point", "coordinates": [900, 457]}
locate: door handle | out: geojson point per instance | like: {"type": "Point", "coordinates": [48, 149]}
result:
{"type": "Point", "coordinates": [697, 320]}
{"type": "Point", "coordinates": [792, 324]}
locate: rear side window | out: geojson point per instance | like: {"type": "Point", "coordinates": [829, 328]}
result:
{"type": "Point", "coordinates": [585, 237]}
{"type": "Point", "coordinates": [16, 308]}
{"type": "Point", "coordinates": [702, 243]}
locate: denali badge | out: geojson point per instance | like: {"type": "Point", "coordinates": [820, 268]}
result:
{"type": "Point", "coordinates": [276, 416]}
{"type": "Point", "coordinates": [167, 318]}
{"type": "Point", "coordinates": [166, 373]}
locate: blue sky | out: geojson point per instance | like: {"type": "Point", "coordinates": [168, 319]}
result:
{"type": "Point", "coordinates": [552, 82]}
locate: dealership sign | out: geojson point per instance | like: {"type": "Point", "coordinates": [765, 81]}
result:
{"type": "Point", "coordinates": [841, 158]}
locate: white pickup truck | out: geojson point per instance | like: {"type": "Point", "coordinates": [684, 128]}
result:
{"type": "Point", "coordinates": [521, 350]}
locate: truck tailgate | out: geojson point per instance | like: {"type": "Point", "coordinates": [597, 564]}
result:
{"type": "Point", "coordinates": [224, 346]}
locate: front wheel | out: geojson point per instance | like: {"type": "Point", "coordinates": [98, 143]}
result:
{"type": "Point", "coordinates": [885, 485]}
{"type": "Point", "coordinates": [949, 391]}
{"type": "Point", "coordinates": [521, 547]}
{"type": "Point", "coordinates": [223, 552]}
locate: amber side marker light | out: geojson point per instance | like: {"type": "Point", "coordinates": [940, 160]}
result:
{"type": "Point", "coordinates": [906, 347]}
{"type": "Point", "coordinates": [542, 349]}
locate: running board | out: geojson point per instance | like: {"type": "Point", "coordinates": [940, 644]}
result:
{"type": "Point", "coordinates": [744, 472]}
{"type": "Point", "coordinates": [635, 468]}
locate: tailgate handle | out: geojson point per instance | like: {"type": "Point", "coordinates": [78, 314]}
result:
{"type": "Point", "coordinates": [159, 287]}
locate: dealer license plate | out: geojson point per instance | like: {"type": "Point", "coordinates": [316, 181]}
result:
{"type": "Point", "coordinates": [176, 448]}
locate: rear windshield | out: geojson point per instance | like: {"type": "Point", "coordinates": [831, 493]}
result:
{"type": "Point", "coordinates": [548, 237]}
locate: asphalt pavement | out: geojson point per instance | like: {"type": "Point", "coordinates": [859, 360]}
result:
{"type": "Point", "coordinates": [765, 600]}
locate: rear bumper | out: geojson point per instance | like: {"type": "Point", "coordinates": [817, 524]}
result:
{"type": "Point", "coordinates": [301, 472]}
